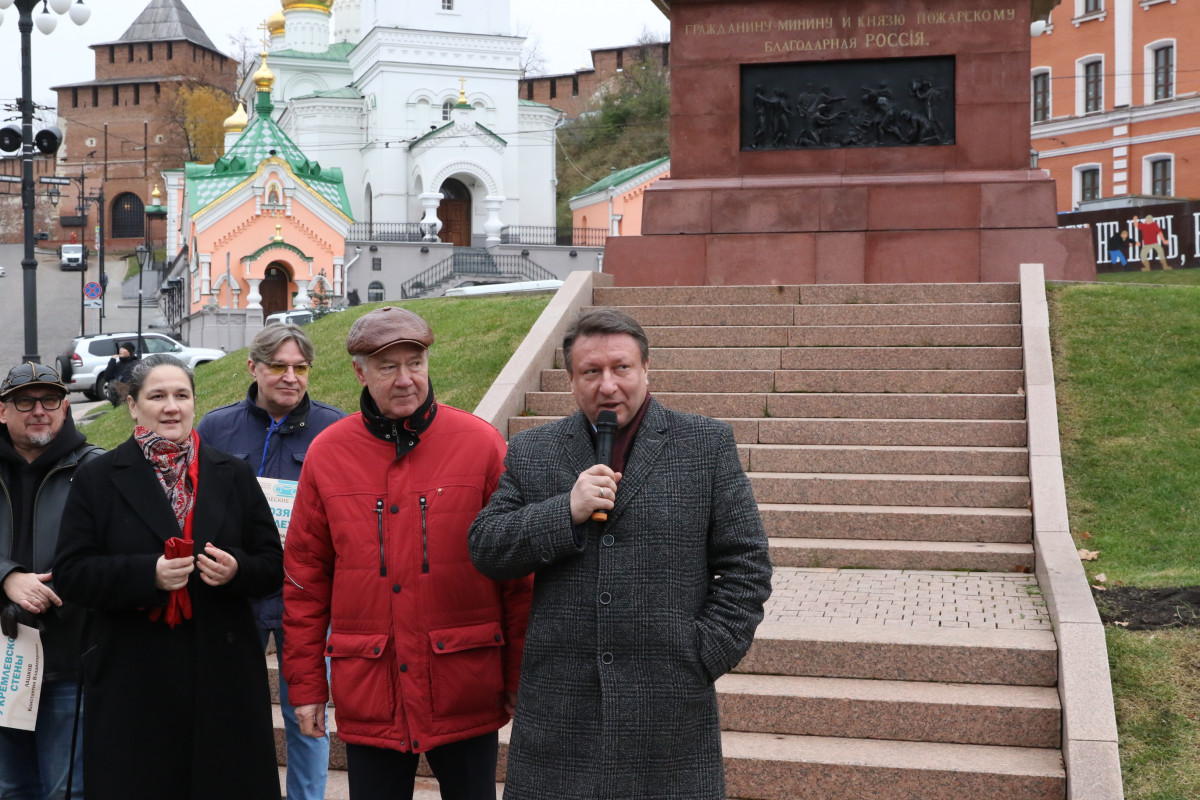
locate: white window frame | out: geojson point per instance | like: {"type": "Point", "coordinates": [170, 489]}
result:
{"type": "Point", "coordinates": [447, 5]}
{"type": "Point", "coordinates": [1081, 83]}
{"type": "Point", "coordinates": [1077, 181]}
{"type": "Point", "coordinates": [1034, 73]}
{"type": "Point", "coordinates": [447, 110]}
{"type": "Point", "coordinates": [1083, 15]}
{"type": "Point", "coordinates": [1148, 68]}
{"type": "Point", "coordinates": [1148, 172]}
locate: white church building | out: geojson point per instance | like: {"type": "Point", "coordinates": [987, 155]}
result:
{"type": "Point", "coordinates": [416, 102]}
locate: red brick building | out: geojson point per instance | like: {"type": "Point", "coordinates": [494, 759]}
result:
{"type": "Point", "coordinates": [1116, 101]}
{"type": "Point", "coordinates": [572, 92]}
{"type": "Point", "coordinates": [120, 129]}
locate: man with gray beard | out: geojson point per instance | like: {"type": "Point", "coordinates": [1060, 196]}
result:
{"type": "Point", "coordinates": [39, 451]}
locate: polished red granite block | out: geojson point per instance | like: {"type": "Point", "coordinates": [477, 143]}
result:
{"type": "Point", "coordinates": [1017, 205]}
{"type": "Point", "coordinates": [923, 207]}
{"type": "Point", "coordinates": [922, 257]}
{"type": "Point", "coordinates": [766, 210]}
{"type": "Point", "coordinates": [1066, 252]}
{"type": "Point", "coordinates": [681, 211]}
{"type": "Point", "coordinates": [778, 258]}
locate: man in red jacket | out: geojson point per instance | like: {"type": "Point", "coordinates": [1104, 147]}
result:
{"type": "Point", "coordinates": [424, 650]}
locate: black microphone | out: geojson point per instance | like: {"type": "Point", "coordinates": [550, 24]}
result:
{"type": "Point", "coordinates": [606, 428]}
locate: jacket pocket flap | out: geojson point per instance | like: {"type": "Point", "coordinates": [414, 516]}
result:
{"type": "Point", "coordinates": [356, 645]}
{"type": "Point", "coordinates": [468, 637]}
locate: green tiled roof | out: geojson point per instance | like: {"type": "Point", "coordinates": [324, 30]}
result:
{"type": "Point", "coordinates": [431, 134]}
{"type": "Point", "coordinates": [524, 102]}
{"type": "Point", "coordinates": [336, 52]}
{"type": "Point", "coordinates": [208, 183]}
{"type": "Point", "coordinates": [346, 92]}
{"type": "Point", "coordinates": [621, 176]}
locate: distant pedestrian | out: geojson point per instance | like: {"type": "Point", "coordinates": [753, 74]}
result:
{"type": "Point", "coordinates": [271, 429]}
{"type": "Point", "coordinates": [1152, 238]}
{"type": "Point", "coordinates": [1117, 245]}
{"type": "Point", "coordinates": [116, 374]}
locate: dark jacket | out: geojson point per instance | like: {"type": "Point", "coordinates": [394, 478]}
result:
{"type": "Point", "coordinates": [241, 429]}
{"type": "Point", "coordinates": [178, 713]}
{"type": "Point", "coordinates": [628, 630]}
{"type": "Point", "coordinates": [55, 468]}
{"type": "Point", "coordinates": [119, 368]}
{"type": "Point", "coordinates": [423, 648]}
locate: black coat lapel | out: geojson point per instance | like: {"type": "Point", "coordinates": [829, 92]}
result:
{"type": "Point", "coordinates": [640, 464]}
{"type": "Point", "coordinates": [134, 479]}
{"type": "Point", "coordinates": [216, 484]}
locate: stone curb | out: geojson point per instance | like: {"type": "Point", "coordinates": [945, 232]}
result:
{"type": "Point", "coordinates": [1089, 741]}
{"type": "Point", "coordinates": [523, 372]}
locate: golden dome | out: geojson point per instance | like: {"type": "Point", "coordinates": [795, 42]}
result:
{"type": "Point", "coordinates": [264, 79]}
{"type": "Point", "coordinates": [276, 23]}
{"type": "Point", "coordinates": [156, 196]}
{"type": "Point", "coordinates": [312, 5]}
{"type": "Point", "coordinates": [238, 121]}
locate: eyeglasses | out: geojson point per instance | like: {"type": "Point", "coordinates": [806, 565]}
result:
{"type": "Point", "coordinates": [279, 369]}
{"type": "Point", "coordinates": [50, 402]}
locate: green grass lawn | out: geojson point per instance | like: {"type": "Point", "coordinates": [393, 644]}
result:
{"type": "Point", "coordinates": [475, 337]}
{"type": "Point", "coordinates": [1171, 277]}
{"type": "Point", "coordinates": [1127, 363]}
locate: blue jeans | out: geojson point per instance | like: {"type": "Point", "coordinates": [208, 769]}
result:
{"type": "Point", "coordinates": [34, 764]}
{"type": "Point", "coordinates": [307, 758]}
{"type": "Point", "coordinates": [1118, 257]}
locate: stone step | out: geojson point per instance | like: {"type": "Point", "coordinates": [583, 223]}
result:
{"type": "Point", "coordinates": [905, 314]}
{"type": "Point", "coordinates": [905, 432]}
{"type": "Point", "coordinates": [876, 406]}
{"type": "Point", "coordinates": [891, 459]}
{"type": "Point", "coordinates": [883, 554]}
{"type": "Point", "coordinates": [977, 491]}
{"type": "Point", "coordinates": [862, 314]}
{"type": "Point", "coordinates": [836, 336]}
{"type": "Point", "coordinates": [853, 294]}
{"type": "Point", "coordinates": [856, 294]}
{"type": "Point", "coordinates": [943, 655]}
{"type": "Point", "coordinates": [761, 766]}
{"type": "Point", "coordinates": [903, 358]}
{"type": "Point", "coordinates": [904, 336]}
{"type": "Point", "coordinates": [940, 381]}
{"type": "Point", "coordinates": [1011, 716]}
{"type": "Point", "coordinates": [924, 432]}
{"type": "Point", "coordinates": [825, 381]}
{"type": "Point", "coordinates": [897, 523]}
{"type": "Point", "coordinates": [843, 358]}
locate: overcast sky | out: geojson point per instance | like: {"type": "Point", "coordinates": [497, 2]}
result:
{"type": "Point", "coordinates": [566, 30]}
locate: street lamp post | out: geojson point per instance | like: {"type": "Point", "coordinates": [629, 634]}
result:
{"type": "Point", "coordinates": [45, 22]}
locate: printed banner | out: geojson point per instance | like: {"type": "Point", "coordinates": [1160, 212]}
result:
{"type": "Point", "coordinates": [281, 495]}
{"type": "Point", "coordinates": [21, 679]}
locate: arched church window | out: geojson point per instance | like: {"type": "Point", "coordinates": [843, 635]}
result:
{"type": "Point", "coordinates": [447, 107]}
{"type": "Point", "coordinates": [375, 292]}
{"type": "Point", "coordinates": [128, 217]}
{"type": "Point", "coordinates": [447, 5]}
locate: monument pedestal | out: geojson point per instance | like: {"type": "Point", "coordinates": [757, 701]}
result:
{"type": "Point", "coordinates": [886, 143]}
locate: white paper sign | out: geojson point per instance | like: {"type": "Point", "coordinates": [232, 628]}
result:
{"type": "Point", "coordinates": [21, 679]}
{"type": "Point", "coordinates": [281, 495]}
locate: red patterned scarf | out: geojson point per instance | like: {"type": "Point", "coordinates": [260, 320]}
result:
{"type": "Point", "coordinates": [171, 464]}
{"type": "Point", "coordinates": [178, 469]}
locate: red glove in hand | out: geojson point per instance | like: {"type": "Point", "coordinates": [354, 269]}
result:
{"type": "Point", "coordinates": [179, 604]}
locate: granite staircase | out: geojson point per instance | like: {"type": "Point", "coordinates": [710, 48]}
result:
{"type": "Point", "coordinates": [905, 654]}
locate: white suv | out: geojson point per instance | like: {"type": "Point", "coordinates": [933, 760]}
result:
{"type": "Point", "coordinates": [81, 366]}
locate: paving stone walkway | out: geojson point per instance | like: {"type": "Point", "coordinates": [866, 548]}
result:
{"type": "Point", "coordinates": [907, 598]}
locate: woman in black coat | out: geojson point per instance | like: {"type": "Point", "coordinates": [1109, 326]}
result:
{"type": "Point", "coordinates": [176, 703]}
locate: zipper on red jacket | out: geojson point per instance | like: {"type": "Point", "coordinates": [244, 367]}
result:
{"type": "Point", "coordinates": [424, 537]}
{"type": "Point", "coordinates": [379, 516]}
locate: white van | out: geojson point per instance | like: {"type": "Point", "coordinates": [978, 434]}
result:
{"type": "Point", "coordinates": [72, 257]}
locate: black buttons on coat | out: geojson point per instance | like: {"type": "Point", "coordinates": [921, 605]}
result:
{"type": "Point", "coordinates": [396, 588]}
{"type": "Point", "coordinates": [606, 658]}
{"type": "Point", "coordinates": [608, 540]}
{"type": "Point", "coordinates": [605, 598]}
{"type": "Point", "coordinates": [395, 509]}
{"type": "Point", "coordinates": [404, 667]}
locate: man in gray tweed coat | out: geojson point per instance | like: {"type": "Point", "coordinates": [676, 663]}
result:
{"type": "Point", "coordinates": [633, 619]}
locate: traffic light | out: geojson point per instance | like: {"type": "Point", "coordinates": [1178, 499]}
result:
{"type": "Point", "coordinates": [48, 140]}
{"type": "Point", "coordinates": [10, 138]}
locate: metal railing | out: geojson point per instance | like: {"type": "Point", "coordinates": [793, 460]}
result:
{"type": "Point", "coordinates": [385, 232]}
{"type": "Point", "coordinates": [471, 263]}
{"type": "Point", "coordinates": [553, 236]}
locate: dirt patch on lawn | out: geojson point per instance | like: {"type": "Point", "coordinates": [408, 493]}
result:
{"type": "Point", "coordinates": [1147, 609]}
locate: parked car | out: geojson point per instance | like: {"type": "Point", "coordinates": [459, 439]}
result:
{"type": "Point", "coordinates": [301, 316]}
{"type": "Point", "coordinates": [72, 257]}
{"type": "Point", "coordinates": [82, 364]}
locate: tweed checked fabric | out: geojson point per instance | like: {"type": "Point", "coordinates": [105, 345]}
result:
{"type": "Point", "coordinates": [627, 633]}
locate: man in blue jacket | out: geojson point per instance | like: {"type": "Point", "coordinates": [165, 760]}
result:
{"type": "Point", "coordinates": [271, 428]}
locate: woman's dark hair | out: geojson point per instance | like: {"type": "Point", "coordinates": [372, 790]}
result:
{"type": "Point", "coordinates": [143, 368]}
{"type": "Point", "coordinates": [603, 322]}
